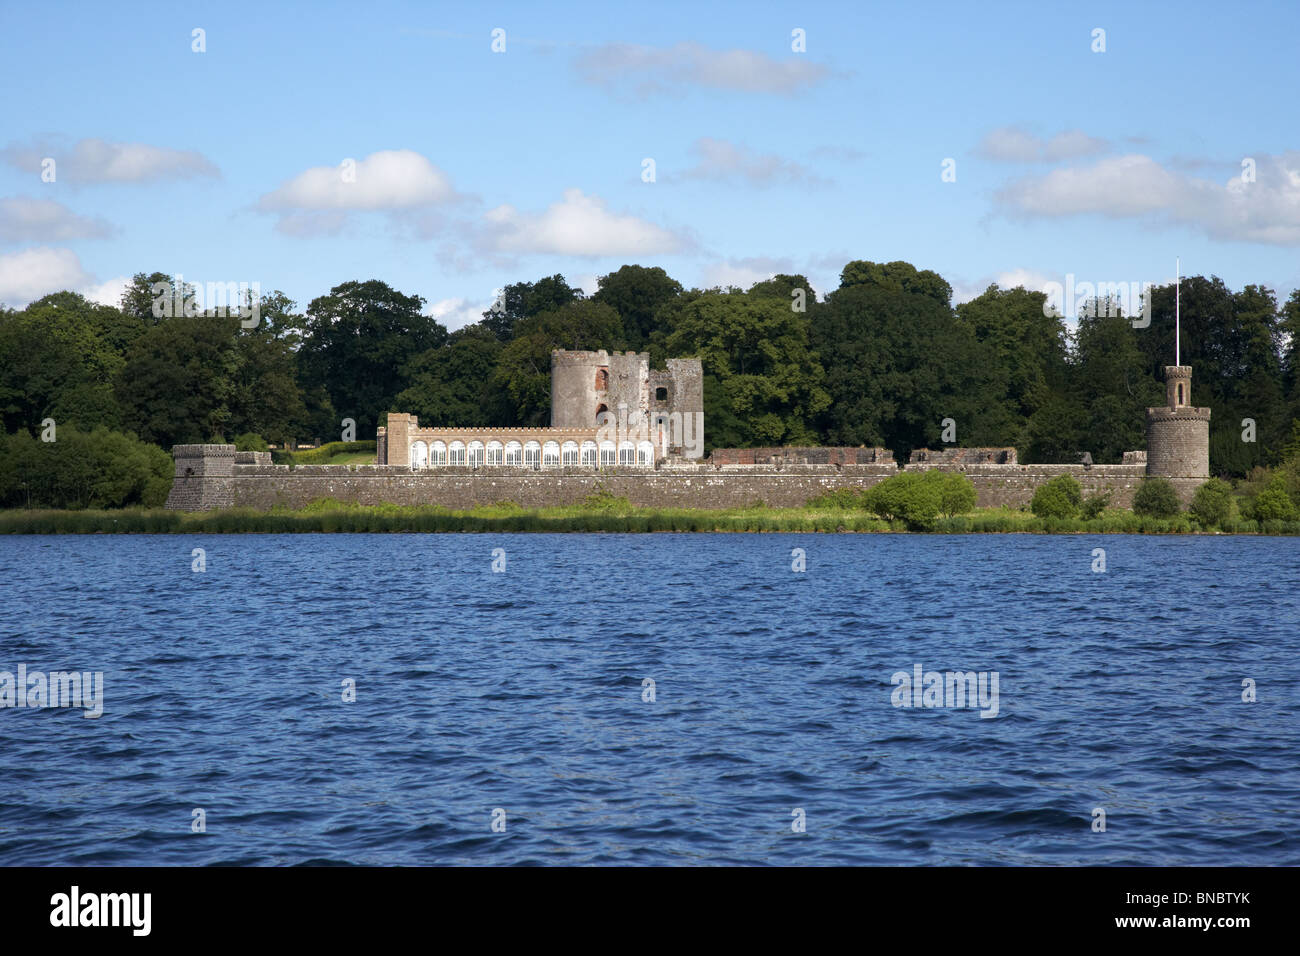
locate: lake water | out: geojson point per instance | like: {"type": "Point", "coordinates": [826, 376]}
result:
{"type": "Point", "coordinates": [524, 691]}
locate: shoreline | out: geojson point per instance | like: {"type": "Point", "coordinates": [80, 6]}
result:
{"type": "Point", "coordinates": [331, 518]}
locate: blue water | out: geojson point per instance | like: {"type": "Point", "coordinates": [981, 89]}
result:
{"type": "Point", "coordinates": [522, 690]}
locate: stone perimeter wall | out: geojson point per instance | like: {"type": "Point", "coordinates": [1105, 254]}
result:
{"type": "Point", "coordinates": [683, 486]}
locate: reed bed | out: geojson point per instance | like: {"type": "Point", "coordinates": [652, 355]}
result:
{"type": "Point", "coordinates": [332, 517]}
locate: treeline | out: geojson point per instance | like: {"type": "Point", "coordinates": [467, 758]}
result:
{"type": "Point", "coordinates": [882, 359]}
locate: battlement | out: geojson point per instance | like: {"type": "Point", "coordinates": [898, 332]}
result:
{"type": "Point", "coordinates": [963, 456]}
{"type": "Point", "coordinates": [801, 455]}
{"type": "Point", "coordinates": [576, 358]}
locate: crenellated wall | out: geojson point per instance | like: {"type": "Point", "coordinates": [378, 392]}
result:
{"type": "Point", "coordinates": [222, 483]}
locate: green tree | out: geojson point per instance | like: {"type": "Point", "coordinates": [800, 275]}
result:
{"type": "Point", "coordinates": [82, 469]}
{"type": "Point", "coordinates": [1113, 385]}
{"type": "Point", "coordinates": [523, 372]}
{"type": "Point", "coordinates": [639, 295]}
{"type": "Point", "coordinates": [178, 382]}
{"type": "Point", "coordinates": [147, 303]}
{"type": "Point", "coordinates": [357, 344]}
{"type": "Point", "coordinates": [763, 384]}
{"type": "Point", "coordinates": [899, 277]}
{"type": "Point", "coordinates": [55, 362]}
{"type": "Point", "coordinates": [1029, 343]}
{"type": "Point", "coordinates": [522, 300]}
{"type": "Point", "coordinates": [265, 397]}
{"type": "Point", "coordinates": [1273, 503]}
{"type": "Point", "coordinates": [453, 385]}
{"type": "Point", "coordinates": [1212, 503]}
{"type": "Point", "coordinates": [898, 363]}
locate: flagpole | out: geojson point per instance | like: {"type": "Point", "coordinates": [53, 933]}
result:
{"type": "Point", "coordinates": [1178, 280]}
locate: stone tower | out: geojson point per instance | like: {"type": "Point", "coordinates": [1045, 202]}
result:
{"type": "Point", "coordinates": [203, 477]}
{"type": "Point", "coordinates": [1178, 435]}
{"type": "Point", "coordinates": [585, 385]}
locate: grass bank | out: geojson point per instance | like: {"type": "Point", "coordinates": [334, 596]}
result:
{"type": "Point", "coordinates": [597, 516]}
{"type": "Point", "coordinates": [331, 453]}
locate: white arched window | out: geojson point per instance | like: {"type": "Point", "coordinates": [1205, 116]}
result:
{"type": "Point", "coordinates": [456, 454]}
{"type": "Point", "coordinates": [476, 454]}
{"type": "Point", "coordinates": [437, 453]}
{"type": "Point", "coordinates": [419, 455]}
{"type": "Point", "coordinates": [494, 453]}
{"type": "Point", "coordinates": [626, 453]}
{"type": "Point", "coordinates": [532, 455]}
{"type": "Point", "coordinates": [514, 453]}
{"type": "Point", "coordinates": [645, 453]}
{"type": "Point", "coordinates": [569, 453]}
{"type": "Point", "coordinates": [608, 456]}
{"type": "Point", "coordinates": [551, 454]}
{"type": "Point", "coordinates": [589, 453]}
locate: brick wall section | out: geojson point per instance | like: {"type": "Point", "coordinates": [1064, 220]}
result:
{"type": "Point", "coordinates": [963, 456]}
{"type": "Point", "coordinates": [796, 454]}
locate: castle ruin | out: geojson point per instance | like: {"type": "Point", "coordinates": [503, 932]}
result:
{"type": "Point", "coordinates": [619, 427]}
{"type": "Point", "coordinates": [606, 410]}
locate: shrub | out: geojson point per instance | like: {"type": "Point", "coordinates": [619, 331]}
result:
{"type": "Point", "coordinates": [956, 492]}
{"type": "Point", "coordinates": [1059, 498]}
{"type": "Point", "coordinates": [1094, 505]}
{"type": "Point", "coordinates": [250, 442]}
{"type": "Point", "coordinates": [325, 453]}
{"type": "Point", "coordinates": [1212, 503]}
{"type": "Point", "coordinates": [839, 498]}
{"type": "Point", "coordinates": [604, 500]}
{"type": "Point", "coordinates": [1156, 498]}
{"type": "Point", "coordinates": [95, 469]}
{"type": "Point", "coordinates": [1273, 503]}
{"type": "Point", "coordinates": [909, 497]}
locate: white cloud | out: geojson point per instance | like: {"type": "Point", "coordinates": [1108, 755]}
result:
{"type": "Point", "coordinates": [1013, 144]}
{"type": "Point", "coordinates": [98, 161]}
{"type": "Point", "coordinates": [308, 225]}
{"type": "Point", "coordinates": [456, 313]}
{"type": "Point", "coordinates": [320, 200]}
{"type": "Point", "coordinates": [723, 160]}
{"type": "Point", "coordinates": [32, 273]}
{"type": "Point", "coordinates": [1137, 187]}
{"type": "Point", "coordinates": [386, 180]}
{"type": "Point", "coordinates": [743, 273]}
{"type": "Point", "coordinates": [578, 225]}
{"type": "Point", "coordinates": [588, 282]}
{"type": "Point", "coordinates": [107, 293]}
{"type": "Point", "coordinates": [1031, 279]}
{"type": "Point", "coordinates": [649, 70]}
{"type": "Point", "coordinates": [45, 220]}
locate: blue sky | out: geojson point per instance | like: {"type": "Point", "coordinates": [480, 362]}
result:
{"type": "Point", "coordinates": [476, 168]}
